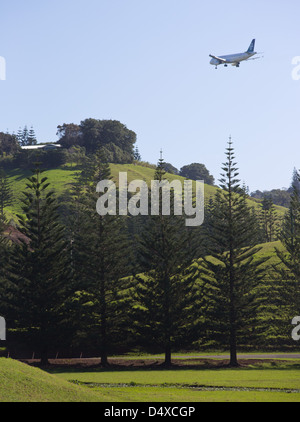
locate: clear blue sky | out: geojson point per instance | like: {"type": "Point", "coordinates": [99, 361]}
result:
{"type": "Point", "coordinates": [146, 63]}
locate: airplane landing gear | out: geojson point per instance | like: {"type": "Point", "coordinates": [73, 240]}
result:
{"type": "Point", "coordinates": [237, 65]}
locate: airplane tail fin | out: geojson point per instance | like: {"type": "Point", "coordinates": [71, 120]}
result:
{"type": "Point", "coordinates": [251, 47]}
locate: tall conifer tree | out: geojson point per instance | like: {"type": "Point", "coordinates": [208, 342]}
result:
{"type": "Point", "coordinates": [5, 192]}
{"type": "Point", "coordinates": [39, 283]}
{"type": "Point", "coordinates": [31, 138]}
{"type": "Point", "coordinates": [4, 248]}
{"type": "Point", "coordinates": [168, 301]}
{"type": "Point", "coordinates": [24, 139]}
{"type": "Point", "coordinates": [101, 260]}
{"type": "Point", "coordinates": [269, 220]}
{"type": "Point", "coordinates": [233, 273]}
{"type": "Point", "coordinates": [289, 282]}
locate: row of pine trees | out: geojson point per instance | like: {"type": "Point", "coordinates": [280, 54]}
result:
{"type": "Point", "coordinates": [118, 283]}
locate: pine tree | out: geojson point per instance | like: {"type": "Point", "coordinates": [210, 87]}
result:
{"type": "Point", "coordinates": [24, 139]}
{"type": "Point", "coordinates": [168, 300]}
{"type": "Point", "coordinates": [20, 136]}
{"type": "Point", "coordinates": [39, 283]}
{"type": "Point", "coordinates": [31, 138]}
{"type": "Point", "coordinates": [289, 270]}
{"type": "Point", "coordinates": [137, 155]}
{"type": "Point", "coordinates": [101, 261]}
{"type": "Point", "coordinates": [5, 200]}
{"type": "Point", "coordinates": [269, 220]}
{"type": "Point", "coordinates": [6, 197]}
{"type": "Point", "coordinates": [295, 182]}
{"type": "Point", "coordinates": [231, 269]}
{"type": "Point", "coordinates": [4, 248]}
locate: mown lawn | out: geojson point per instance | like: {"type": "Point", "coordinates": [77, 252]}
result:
{"type": "Point", "coordinates": [171, 394]}
{"type": "Point", "coordinates": [20, 382]}
{"type": "Point", "coordinates": [193, 385]}
{"type": "Point", "coordinates": [235, 378]}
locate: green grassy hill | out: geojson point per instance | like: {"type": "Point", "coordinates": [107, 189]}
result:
{"type": "Point", "coordinates": [62, 178]}
{"type": "Point", "coordinates": [268, 251]}
{"type": "Point", "coordinates": [22, 383]}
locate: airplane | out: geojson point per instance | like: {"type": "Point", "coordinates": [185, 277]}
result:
{"type": "Point", "coordinates": [234, 59]}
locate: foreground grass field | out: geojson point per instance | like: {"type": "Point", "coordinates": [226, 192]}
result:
{"type": "Point", "coordinates": [184, 395]}
{"type": "Point", "coordinates": [20, 382]}
{"type": "Point", "coordinates": [221, 378]}
{"type": "Point", "coordinates": [252, 384]}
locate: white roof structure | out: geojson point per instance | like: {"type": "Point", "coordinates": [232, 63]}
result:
{"type": "Point", "coordinates": [41, 146]}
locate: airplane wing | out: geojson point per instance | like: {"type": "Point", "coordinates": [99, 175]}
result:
{"type": "Point", "coordinates": [255, 58]}
{"type": "Point", "coordinates": [218, 58]}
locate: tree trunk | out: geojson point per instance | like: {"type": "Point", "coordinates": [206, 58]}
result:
{"type": "Point", "coordinates": [168, 355]}
{"type": "Point", "coordinates": [232, 340]}
{"type": "Point", "coordinates": [103, 351]}
{"type": "Point", "coordinates": [104, 361]}
{"type": "Point", "coordinates": [233, 351]}
{"type": "Point", "coordinates": [44, 357]}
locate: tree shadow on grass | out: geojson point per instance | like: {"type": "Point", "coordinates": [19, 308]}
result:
{"type": "Point", "coordinates": [114, 365]}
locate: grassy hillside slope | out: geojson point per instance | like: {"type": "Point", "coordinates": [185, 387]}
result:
{"type": "Point", "coordinates": [22, 383]}
{"type": "Point", "coordinates": [268, 251]}
{"type": "Point", "coordinates": [62, 178]}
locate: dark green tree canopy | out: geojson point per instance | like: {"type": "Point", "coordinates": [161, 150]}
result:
{"type": "Point", "coordinates": [197, 171]}
{"type": "Point", "coordinates": [114, 139]}
{"type": "Point", "coordinates": [295, 182]}
{"type": "Point", "coordinates": [169, 168]}
{"type": "Point", "coordinates": [8, 144]}
{"type": "Point", "coordinates": [278, 196]}
{"type": "Point", "coordinates": [6, 197]}
{"type": "Point", "coordinates": [69, 135]}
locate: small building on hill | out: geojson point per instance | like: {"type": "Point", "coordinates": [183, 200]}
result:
{"type": "Point", "coordinates": [45, 147]}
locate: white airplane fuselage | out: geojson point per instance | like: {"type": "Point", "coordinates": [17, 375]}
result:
{"type": "Point", "coordinates": [232, 58]}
